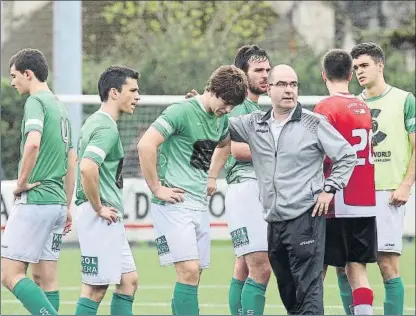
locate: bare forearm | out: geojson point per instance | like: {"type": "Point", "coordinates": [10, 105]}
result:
{"type": "Point", "coordinates": [409, 179]}
{"type": "Point", "coordinates": [70, 178]}
{"type": "Point", "coordinates": [218, 160]}
{"type": "Point", "coordinates": [30, 155]}
{"type": "Point", "coordinates": [148, 161]}
{"type": "Point", "coordinates": [241, 151]}
{"type": "Point", "coordinates": [90, 184]}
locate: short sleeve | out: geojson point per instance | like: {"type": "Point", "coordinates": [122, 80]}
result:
{"type": "Point", "coordinates": [225, 131]}
{"type": "Point", "coordinates": [100, 144]}
{"type": "Point", "coordinates": [409, 113]}
{"type": "Point", "coordinates": [171, 121]}
{"type": "Point", "coordinates": [34, 115]}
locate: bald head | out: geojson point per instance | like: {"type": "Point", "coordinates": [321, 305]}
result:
{"type": "Point", "coordinates": [279, 72]}
{"type": "Point", "coordinates": [283, 87]}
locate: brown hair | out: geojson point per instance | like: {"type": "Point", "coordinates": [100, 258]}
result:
{"type": "Point", "coordinates": [228, 83]}
{"type": "Point", "coordinates": [371, 49]}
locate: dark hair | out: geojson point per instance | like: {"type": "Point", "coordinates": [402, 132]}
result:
{"type": "Point", "coordinates": [337, 65]}
{"type": "Point", "coordinates": [228, 83]}
{"type": "Point", "coordinates": [371, 49]}
{"type": "Point", "coordinates": [30, 59]}
{"type": "Point", "coordinates": [114, 77]}
{"type": "Point", "coordinates": [248, 53]}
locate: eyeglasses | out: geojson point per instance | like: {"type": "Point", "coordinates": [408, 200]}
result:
{"type": "Point", "coordinates": [283, 84]}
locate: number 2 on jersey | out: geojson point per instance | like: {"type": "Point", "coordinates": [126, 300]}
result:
{"type": "Point", "coordinates": [366, 139]}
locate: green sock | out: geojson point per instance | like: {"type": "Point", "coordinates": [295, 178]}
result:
{"type": "Point", "coordinates": [185, 299]}
{"type": "Point", "coordinates": [33, 298]}
{"type": "Point", "coordinates": [172, 306]}
{"type": "Point", "coordinates": [345, 292]}
{"type": "Point", "coordinates": [253, 297]}
{"type": "Point", "coordinates": [394, 297]}
{"type": "Point", "coordinates": [122, 304]}
{"type": "Point", "coordinates": [234, 297]}
{"type": "Point", "coordinates": [85, 306]}
{"type": "Point", "coordinates": [53, 297]}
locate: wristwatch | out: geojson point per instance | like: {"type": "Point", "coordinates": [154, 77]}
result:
{"type": "Point", "coordinates": [329, 189]}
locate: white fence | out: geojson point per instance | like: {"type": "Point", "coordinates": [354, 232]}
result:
{"type": "Point", "coordinates": [137, 211]}
{"type": "Point", "coordinates": [137, 195]}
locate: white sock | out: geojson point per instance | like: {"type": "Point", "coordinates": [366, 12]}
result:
{"type": "Point", "coordinates": [363, 309]}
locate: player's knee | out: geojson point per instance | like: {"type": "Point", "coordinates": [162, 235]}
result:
{"type": "Point", "coordinates": [46, 281]}
{"type": "Point", "coordinates": [240, 269]}
{"type": "Point", "coordinates": [5, 279]}
{"type": "Point", "coordinates": [129, 283]}
{"type": "Point", "coordinates": [259, 268]}
{"type": "Point", "coordinates": [37, 278]}
{"type": "Point", "coordinates": [188, 272]}
{"type": "Point", "coordinates": [11, 274]}
{"type": "Point", "coordinates": [94, 292]}
{"type": "Point", "coordinates": [389, 266]}
{"type": "Point", "coordinates": [134, 281]}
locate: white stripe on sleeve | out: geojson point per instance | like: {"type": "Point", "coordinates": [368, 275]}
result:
{"type": "Point", "coordinates": [165, 124]}
{"type": "Point", "coordinates": [34, 122]}
{"type": "Point", "coordinates": [96, 150]}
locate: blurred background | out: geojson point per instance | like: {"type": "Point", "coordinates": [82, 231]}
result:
{"type": "Point", "coordinates": [176, 45]}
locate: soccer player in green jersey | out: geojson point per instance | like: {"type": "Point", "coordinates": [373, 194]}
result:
{"type": "Point", "coordinates": [247, 227]}
{"type": "Point", "coordinates": [106, 256]}
{"type": "Point", "coordinates": [43, 192]}
{"type": "Point", "coordinates": [244, 211]}
{"type": "Point", "coordinates": [188, 133]}
{"type": "Point", "coordinates": [393, 114]}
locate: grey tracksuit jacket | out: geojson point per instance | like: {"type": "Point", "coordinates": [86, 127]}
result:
{"type": "Point", "coordinates": [290, 177]}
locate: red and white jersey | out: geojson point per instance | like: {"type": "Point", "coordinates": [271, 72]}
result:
{"type": "Point", "coordinates": [352, 118]}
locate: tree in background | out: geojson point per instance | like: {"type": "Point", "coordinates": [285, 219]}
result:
{"type": "Point", "coordinates": [177, 44]}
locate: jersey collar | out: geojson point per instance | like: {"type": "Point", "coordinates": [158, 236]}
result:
{"type": "Point", "coordinates": [105, 113]}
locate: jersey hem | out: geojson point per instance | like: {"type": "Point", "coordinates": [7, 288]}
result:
{"type": "Point", "coordinates": [241, 180]}
{"type": "Point", "coordinates": [354, 216]}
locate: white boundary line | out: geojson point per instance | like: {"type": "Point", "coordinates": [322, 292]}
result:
{"type": "Point", "coordinates": [165, 304]}
{"type": "Point", "coordinates": [202, 286]}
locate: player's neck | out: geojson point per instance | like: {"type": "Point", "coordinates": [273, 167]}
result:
{"type": "Point", "coordinates": [39, 86]}
{"type": "Point", "coordinates": [281, 114]}
{"type": "Point", "coordinates": [376, 90]}
{"type": "Point", "coordinates": [205, 98]}
{"type": "Point", "coordinates": [337, 87]}
{"type": "Point", "coordinates": [110, 109]}
{"type": "Point", "coordinates": [252, 96]}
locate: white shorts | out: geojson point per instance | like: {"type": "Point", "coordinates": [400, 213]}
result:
{"type": "Point", "coordinates": [181, 234]}
{"type": "Point", "coordinates": [105, 251]}
{"type": "Point", "coordinates": [244, 212]}
{"type": "Point", "coordinates": [390, 221]}
{"type": "Point", "coordinates": [34, 232]}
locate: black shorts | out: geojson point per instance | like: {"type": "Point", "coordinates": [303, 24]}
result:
{"type": "Point", "coordinates": [350, 240]}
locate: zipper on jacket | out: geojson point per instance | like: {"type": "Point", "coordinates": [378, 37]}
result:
{"type": "Point", "coordinates": [274, 166]}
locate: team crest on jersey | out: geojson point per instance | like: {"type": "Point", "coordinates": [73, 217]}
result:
{"type": "Point", "coordinates": [379, 136]}
{"type": "Point", "coordinates": [56, 242]}
{"type": "Point", "coordinates": [89, 265]}
{"type": "Point", "coordinates": [239, 237]}
{"type": "Point", "coordinates": [162, 246]}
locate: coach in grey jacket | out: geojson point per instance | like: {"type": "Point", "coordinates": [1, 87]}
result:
{"type": "Point", "coordinates": [288, 145]}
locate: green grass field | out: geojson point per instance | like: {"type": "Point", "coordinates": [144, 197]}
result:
{"type": "Point", "coordinates": [156, 284]}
